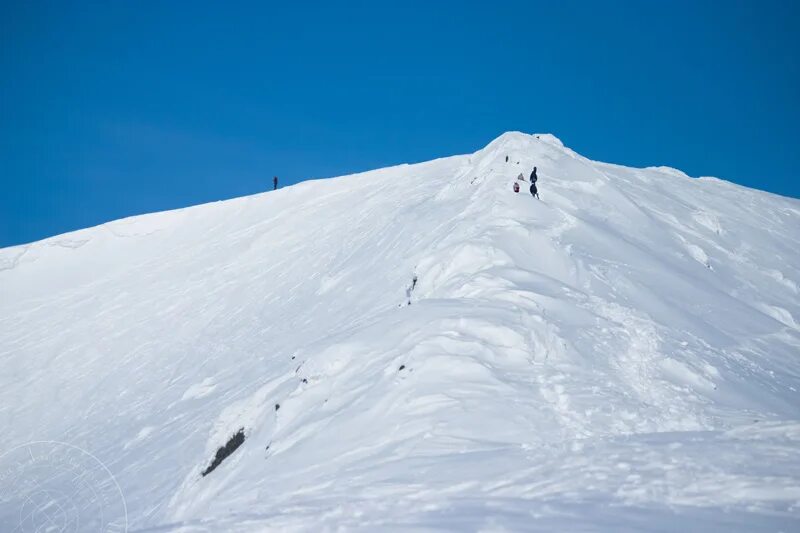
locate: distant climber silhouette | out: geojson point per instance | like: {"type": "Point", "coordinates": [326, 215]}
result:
{"type": "Point", "coordinates": [534, 179]}
{"type": "Point", "coordinates": [274, 182]}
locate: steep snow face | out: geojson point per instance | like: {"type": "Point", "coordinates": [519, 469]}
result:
{"type": "Point", "coordinates": [417, 347]}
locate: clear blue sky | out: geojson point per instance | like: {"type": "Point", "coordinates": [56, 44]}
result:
{"type": "Point", "coordinates": [109, 109]}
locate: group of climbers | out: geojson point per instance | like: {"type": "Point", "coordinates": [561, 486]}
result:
{"type": "Point", "coordinates": [533, 179]}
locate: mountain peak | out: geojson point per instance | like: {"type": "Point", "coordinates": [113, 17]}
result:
{"type": "Point", "coordinates": [341, 350]}
{"type": "Point", "coordinates": [519, 138]}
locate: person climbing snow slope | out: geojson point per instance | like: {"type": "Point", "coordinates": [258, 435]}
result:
{"type": "Point", "coordinates": [534, 179]}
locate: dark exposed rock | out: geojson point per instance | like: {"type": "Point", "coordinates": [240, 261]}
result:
{"type": "Point", "coordinates": [233, 443]}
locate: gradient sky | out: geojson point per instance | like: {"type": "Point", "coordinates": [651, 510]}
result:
{"type": "Point", "coordinates": [110, 109]}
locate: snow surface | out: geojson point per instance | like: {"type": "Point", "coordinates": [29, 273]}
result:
{"type": "Point", "coordinates": [622, 355]}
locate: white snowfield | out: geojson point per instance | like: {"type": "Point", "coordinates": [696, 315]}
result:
{"type": "Point", "coordinates": [623, 355]}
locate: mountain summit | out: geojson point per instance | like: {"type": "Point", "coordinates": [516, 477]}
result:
{"type": "Point", "coordinates": [416, 347]}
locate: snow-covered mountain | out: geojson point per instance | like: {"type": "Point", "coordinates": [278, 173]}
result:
{"type": "Point", "coordinates": [622, 355]}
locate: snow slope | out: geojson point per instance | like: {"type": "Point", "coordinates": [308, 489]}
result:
{"type": "Point", "coordinates": [623, 355]}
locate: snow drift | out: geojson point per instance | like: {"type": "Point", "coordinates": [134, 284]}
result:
{"type": "Point", "coordinates": [622, 355]}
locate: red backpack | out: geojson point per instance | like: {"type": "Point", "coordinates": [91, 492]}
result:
{"type": "Point", "coordinates": [516, 187]}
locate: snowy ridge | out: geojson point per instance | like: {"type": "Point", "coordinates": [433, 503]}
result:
{"type": "Point", "coordinates": [623, 355]}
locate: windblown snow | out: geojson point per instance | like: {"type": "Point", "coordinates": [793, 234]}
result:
{"type": "Point", "coordinates": [622, 355]}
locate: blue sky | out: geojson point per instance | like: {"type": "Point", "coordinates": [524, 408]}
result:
{"type": "Point", "coordinates": [119, 108]}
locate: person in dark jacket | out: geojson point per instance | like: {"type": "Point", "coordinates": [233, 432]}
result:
{"type": "Point", "coordinates": [534, 179]}
{"type": "Point", "coordinates": [274, 182]}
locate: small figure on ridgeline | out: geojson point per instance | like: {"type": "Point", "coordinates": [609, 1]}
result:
{"type": "Point", "coordinates": [506, 159]}
{"type": "Point", "coordinates": [534, 179]}
{"type": "Point", "coordinates": [274, 182]}
{"type": "Point", "coordinates": [520, 177]}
